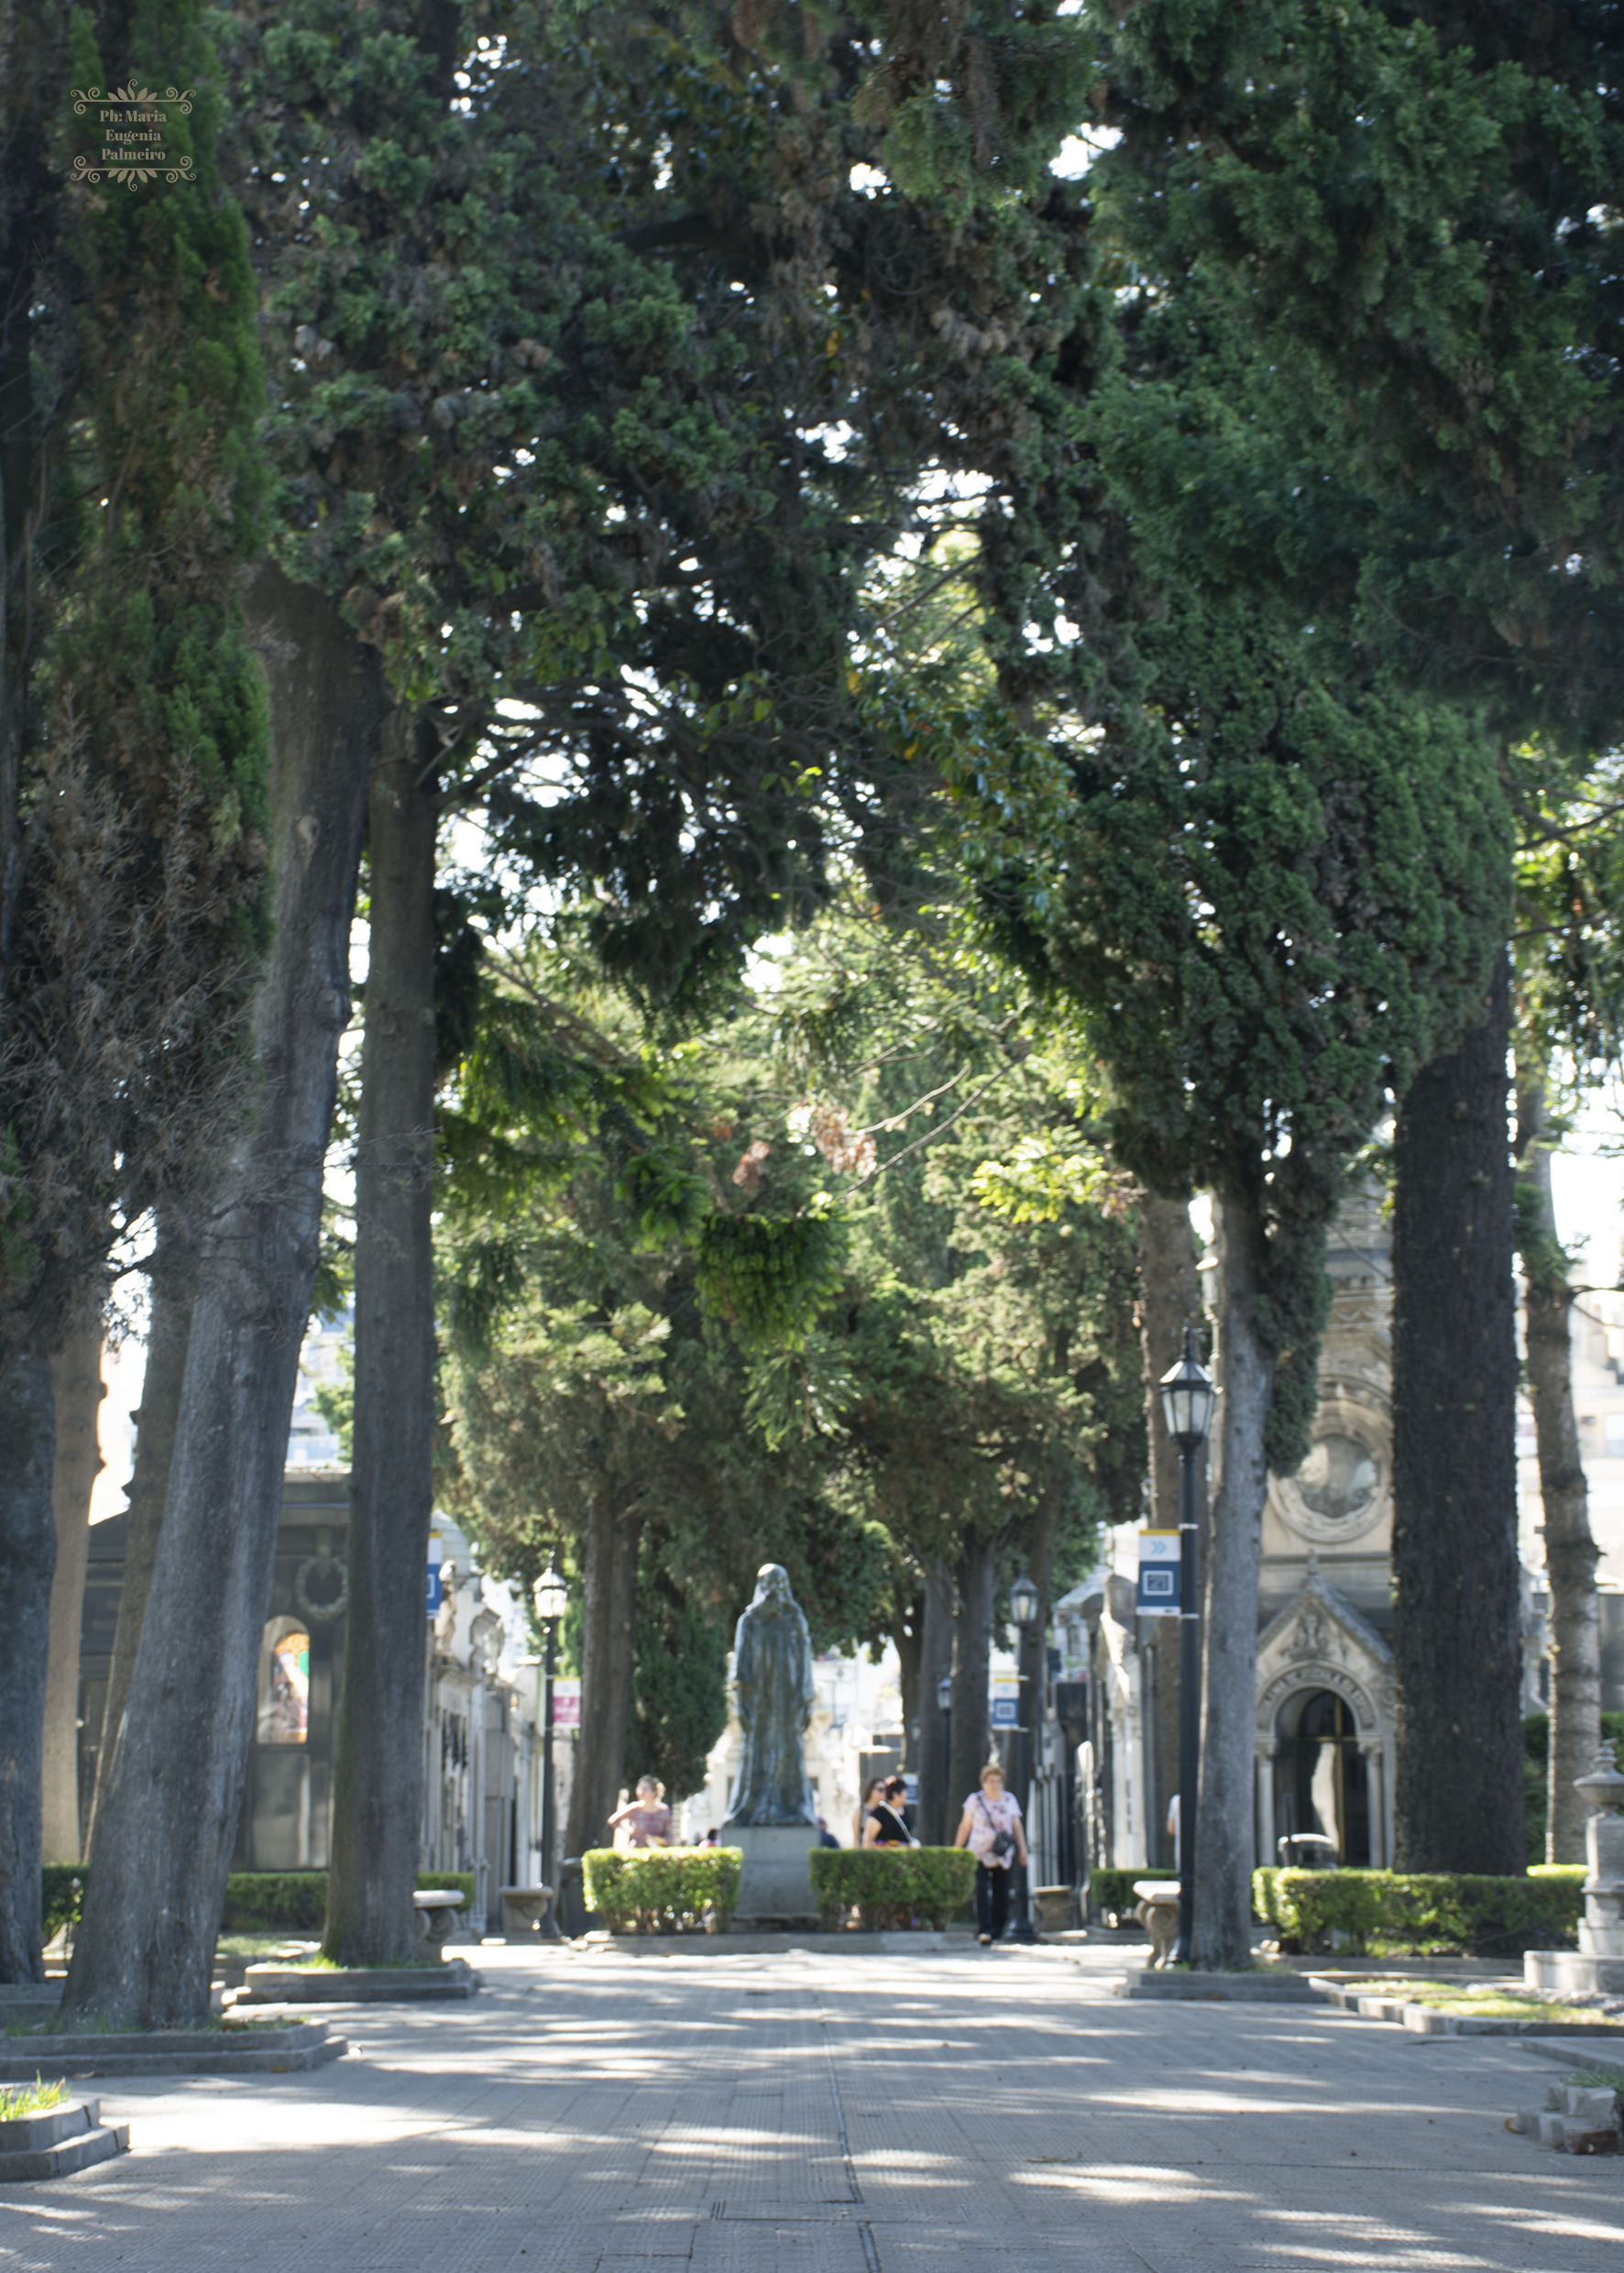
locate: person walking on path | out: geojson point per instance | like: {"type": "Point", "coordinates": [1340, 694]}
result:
{"type": "Point", "coordinates": [873, 1791]}
{"type": "Point", "coordinates": [991, 1828]}
{"type": "Point", "coordinates": [885, 1826]}
{"type": "Point", "coordinates": [646, 1821]}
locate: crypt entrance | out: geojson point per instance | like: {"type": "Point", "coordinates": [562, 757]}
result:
{"type": "Point", "coordinates": [1322, 1778]}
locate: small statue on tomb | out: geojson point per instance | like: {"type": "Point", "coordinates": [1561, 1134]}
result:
{"type": "Point", "coordinates": [774, 1692]}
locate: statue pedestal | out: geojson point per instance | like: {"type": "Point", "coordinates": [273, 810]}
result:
{"type": "Point", "coordinates": [774, 1887]}
{"type": "Point", "coordinates": [1597, 1965]}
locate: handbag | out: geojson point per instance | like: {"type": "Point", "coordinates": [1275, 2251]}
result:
{"type": "Point", "coordinates": [1001, 1841]}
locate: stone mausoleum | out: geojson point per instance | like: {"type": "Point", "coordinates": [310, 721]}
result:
{"type": "Point", "coordinates": [1324, 1724]}
{"type": "Point", "coordinates": [481, 1755]}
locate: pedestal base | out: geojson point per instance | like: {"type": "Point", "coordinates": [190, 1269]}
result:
{"type": "Point", "coordinates": [774, 1886]}
{"type": "Point", "coordinates": [1572, 1969]}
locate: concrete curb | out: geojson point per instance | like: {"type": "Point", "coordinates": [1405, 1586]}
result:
{"type": "Point", "coordinates": [58, 2141]}
{"type": "Point", "coordinates": [1179, 1982]}
{"type": "Point", "coordinates": [370, 1984]}
{"type": "Point", "coordinates": [293, 2051]}
{"type": "Point", "coordinates": [1425, 2020]}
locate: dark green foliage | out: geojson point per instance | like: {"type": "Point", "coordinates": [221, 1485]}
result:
{"type": "Point", "coordinates": [1111, 1891]}
{"type": "Point", "coordinates": [1411, 212]}
{"type": "Point", "coordinates": [662, 1890]}
{"type": "Point", "coordinates": [892, 1886]}
{"type": "Point", "coordinates": [679, 1695]}
{"type": "Point", "coordinates": [132, 929]}
{"type": "Point", "coordinates": [1536, 1786]}
{"type": "Point", "coordinates": [1424, 1913]}
{"type": "Point", "coordinates": [768, 1276]}
{"type": "Point", "coordinates": [63, 1897]}
{"type": "Point", "coordinates": [256, 1901]}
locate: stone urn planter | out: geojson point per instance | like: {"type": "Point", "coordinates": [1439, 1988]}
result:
{"type": "Point", "coordinates": [526, 1910]}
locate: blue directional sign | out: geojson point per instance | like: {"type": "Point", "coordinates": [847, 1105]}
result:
{"type": "Point", "coordinates": [1158, 1575]}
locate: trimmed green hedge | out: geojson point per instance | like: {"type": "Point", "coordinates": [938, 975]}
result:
{"type": "Point", "coordinates": [1422, 1911]}
{"type": "Point", "coordinates": [664, 1890]}
{"type": "Point", "coordinates": [1111, 1891]}
{"type": "Point", "coordinates": [292, 1902]}
{"type": "Point", "coordinates": [891, 1886]}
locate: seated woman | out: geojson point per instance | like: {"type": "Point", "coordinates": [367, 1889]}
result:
{"type": "Point", "coordinates": [645, 1821]}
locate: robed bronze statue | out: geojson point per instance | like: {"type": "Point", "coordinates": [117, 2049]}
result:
{"type": "Point", "coordinates": [774, 1692]}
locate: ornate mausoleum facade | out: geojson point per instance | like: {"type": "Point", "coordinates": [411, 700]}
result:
{"type": "Point", "coordinates": [1323, 1720]}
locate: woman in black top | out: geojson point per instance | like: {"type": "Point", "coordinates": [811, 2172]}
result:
{"type": "Point", "coordinates": [885, 1826]}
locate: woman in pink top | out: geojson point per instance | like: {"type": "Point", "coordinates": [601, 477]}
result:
{"type": "Point", "coordinates": [646, 1821]}
{"type": "Point", "coordinates": [992, 1828]}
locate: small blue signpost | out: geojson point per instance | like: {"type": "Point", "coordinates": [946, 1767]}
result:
{"type": "Point", "coordinates": [1159, 1594]}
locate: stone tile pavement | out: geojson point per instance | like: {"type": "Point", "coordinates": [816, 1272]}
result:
{"type": "Point", "coordinates": [895, 2112]}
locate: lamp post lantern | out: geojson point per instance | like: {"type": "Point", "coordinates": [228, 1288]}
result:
{"type": "Point", "coordinates": [550, 1596]}
{"type": "Point", "coordinates": [1188, 1397]}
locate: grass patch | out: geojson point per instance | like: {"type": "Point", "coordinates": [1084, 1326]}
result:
{"type": "Point", "coordinates": [31, 2099]}
{"type": "Point", "coordinates": [331, 1965]}
{"type": "Point", "coordinates": [259, 1948]}
{"type": "Point", "coordinates": [1479, 2001]}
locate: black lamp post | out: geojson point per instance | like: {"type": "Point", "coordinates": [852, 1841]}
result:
{"type": "Point", "coordinates": [550, 1595]}
{"type": "Point", "coordinates": [944, 1705]}
{"type": "Point", "coordinates": [1188, 1397]}
{"type": "Point", "coordinates": [1023, 1609]}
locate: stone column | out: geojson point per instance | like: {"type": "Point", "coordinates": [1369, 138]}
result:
{"type": "Point", "coordinates": [1371, 1752]}
{"type": "Point", "coordinates": [1265, 1828]}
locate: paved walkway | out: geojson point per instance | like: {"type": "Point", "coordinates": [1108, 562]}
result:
{"type": "Point", "coordinates": [866, 2113]}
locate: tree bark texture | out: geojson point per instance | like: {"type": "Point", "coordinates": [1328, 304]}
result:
{"type": "Point", "coordinates": [27, 1558]}
{"type": "Point", "coordinates": [378, 1772]}
{"type": "Point", "coordinates": [1456, 1623]}
{"type": "Point", "coordinates": [1169, 1299]}
{"type": "Point", "coordinates": [171, 1287]}
{"type": "Point", "coordinates": [1571, 1551]}
{"type": "Point", "coordinates": [33, 48]}
{"type": "Point", "coordinates": [1223, 1853]}
{"type": "Point", "coordinates": [909, 1644]}
{"type": "Point", "coordinates": [609, 1608]}
{"type": "Point", "coordinates": [77, 1390]}
{"type": "Point", "coordinates": [936, 1819]}
{"type": "Point", "coordinates": [152, 1904]}
{"type": "Point", "coordinates": [977, 1576]}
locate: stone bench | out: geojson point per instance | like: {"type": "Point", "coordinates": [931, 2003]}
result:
{"type": "Point", "coordinates": [436, 1908]}
{"type": "Point", "coordinates": [525, 1909]}
{"type": "Point", "coordinates": [1159, 1915]}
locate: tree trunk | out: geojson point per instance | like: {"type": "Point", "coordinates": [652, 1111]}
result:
{"type": "Point", "coordinates": [28, 1557]}
{"type": "Point", "coordinates": [1571, 1552]}
{"type": "Point", "coordinates": [1456, 1624]}
{"type": "Point", "coordinates": [1223, 1849]}
{"type": "Point", "coordinates": [172, 1284]}
{"type": "Point", "coordinates": [152, 1904]}
{"type": "Point", "coordinates": [377, 1774]}
{"type": "Point", "coordinates": [1169, 1299]}
{"type": "Point", "coordinates": [909, 1644]}
{"type": "Point", "coordinates": [938, 1818]}
{"type": "Point", "coordinates": [977, 1576]}
{"type": "Point", "coordinates": [77, 1390]}
{"type": "Point", "coordinates": [609, 1608]}
{"type": "Point", "coordinates": [33, 48]}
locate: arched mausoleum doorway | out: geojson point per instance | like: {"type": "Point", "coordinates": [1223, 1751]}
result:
{"type": "Point", "coordinates": [1321, 1777]}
